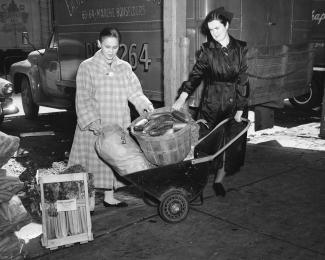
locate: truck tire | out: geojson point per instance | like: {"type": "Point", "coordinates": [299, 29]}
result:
{"type": "Point", "coordinates": [313, 98]}
{"type": "Point", "coordinates": [29, 106]}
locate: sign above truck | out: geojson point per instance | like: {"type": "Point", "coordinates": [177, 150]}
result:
{"type": "Point", "coordinates": [96, 11]}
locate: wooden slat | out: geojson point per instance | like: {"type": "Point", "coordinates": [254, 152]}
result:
{"type": "Point", "coordinates": [81, 205]}
{"type": "Point", "coordinates": [174, 30]}
{"type": "Point", "coordinates": [62, 177]}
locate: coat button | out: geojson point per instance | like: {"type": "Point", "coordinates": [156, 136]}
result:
{"type": "Point", "coordinates": [231, 100]}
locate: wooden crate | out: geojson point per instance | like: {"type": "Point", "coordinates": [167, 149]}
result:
{"type": "Point", "coordinates": [279, 72]}
{"type": "Point", "coordinates": [71, 223]}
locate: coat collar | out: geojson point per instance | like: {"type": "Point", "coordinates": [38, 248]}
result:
{"type": "Point", "coordinates": [100, 59]}
{"type": "Point", "coordinates": [214, 44]}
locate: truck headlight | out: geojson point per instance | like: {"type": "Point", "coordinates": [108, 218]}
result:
{"type": "Point", "coordinates": [7, 89]}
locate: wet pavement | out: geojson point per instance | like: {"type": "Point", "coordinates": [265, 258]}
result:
{"type": "Point", "coordinates": [274, 209]}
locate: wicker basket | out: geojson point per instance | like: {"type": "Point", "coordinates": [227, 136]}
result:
{"type": "Point", "coordinates": [165, 149]}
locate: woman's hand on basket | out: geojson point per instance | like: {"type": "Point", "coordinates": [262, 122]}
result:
{"type": "Point", "coordinates": [149, 108]}
{"type": "Point", "coordinates": [180, 101]}
{"type": "Point", "coordinates": [238, 115]}
{"type": "Point", "coordinates": [96, 127]}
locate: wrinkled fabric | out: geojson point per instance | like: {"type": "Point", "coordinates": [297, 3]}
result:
{"type": "Point", "coordinates": [224, 73]}
{"type": "Point", "coordinates": [117, 148]}
{"type": "Point", "coordinates": [216, 64]}
{"type": "Point", "coordinates": [102, 95]}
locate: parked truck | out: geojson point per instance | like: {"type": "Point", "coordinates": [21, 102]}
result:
{"type": "Point", "coordinates": [6, 105]}
{"type": "Point", "coordinates": [17, 16]}
{"type": "Point", "coordinates": [278, 33]}
{"type": "Point", "coordinates": [313, 98]}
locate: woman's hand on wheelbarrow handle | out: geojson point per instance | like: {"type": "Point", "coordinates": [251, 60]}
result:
{"type": "Point", "coordinates": [238, 115]}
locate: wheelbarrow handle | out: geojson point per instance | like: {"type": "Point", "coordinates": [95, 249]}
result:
{"type": "Point", "coordinates": [213, 156]}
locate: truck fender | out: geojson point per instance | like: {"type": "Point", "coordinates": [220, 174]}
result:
{"type": "Point", "coordinates": [26, 69]}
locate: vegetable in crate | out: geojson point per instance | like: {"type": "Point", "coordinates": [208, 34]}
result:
{"type": "Point", "coordinates": [65, 190]}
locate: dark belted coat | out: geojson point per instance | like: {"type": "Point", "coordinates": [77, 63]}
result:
{"type": "Point", "coordinates": [224, 73]}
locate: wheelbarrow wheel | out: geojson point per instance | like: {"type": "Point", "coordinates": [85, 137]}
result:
{"type": "Point", "coordinates": [174, 206]}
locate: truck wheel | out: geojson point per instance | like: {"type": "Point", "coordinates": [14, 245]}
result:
{"type": "Point", "coordinates": [312, 98]}
{"type": "Point", "coordinates": [29, 106]}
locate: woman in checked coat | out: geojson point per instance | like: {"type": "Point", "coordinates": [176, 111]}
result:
{"type": "Point", "coordinates": [222, 66]}
{"type": "Point", "coordinates": [105, 84]}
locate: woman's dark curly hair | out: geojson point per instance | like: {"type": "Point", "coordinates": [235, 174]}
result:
{"type": "Point", "coordinates": [109, 32]}
{"type": "Point", "coordinates": [219, 14]}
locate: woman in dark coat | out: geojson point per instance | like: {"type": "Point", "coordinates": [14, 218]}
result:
{"type": "Point", "coordinates": [222, 66]}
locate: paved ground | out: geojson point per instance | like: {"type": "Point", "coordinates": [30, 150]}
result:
{"type": "Point", "coordinates": [274, 208]}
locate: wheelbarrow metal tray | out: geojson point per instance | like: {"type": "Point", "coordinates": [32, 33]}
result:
{"type": "Point", "coordinates": [183, 175]}
{"type": "Point", "coordinates": [190, 176]}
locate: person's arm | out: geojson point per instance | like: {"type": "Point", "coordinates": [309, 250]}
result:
{"type": "Point", "coordinates": [194, 80]}
{"type": "Point", "coordinates": [87, 116]}
{"type": "Point", "coordinates": [242, 87]}
{"type": "Point", "coordinates": [136, 96]}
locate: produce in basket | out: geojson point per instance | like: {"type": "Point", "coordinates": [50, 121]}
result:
{"type": "Point", "coordinates": [161, 123]}
{"type": "Point", "coordinates": [181, 116]}
{"type": "Point", "coordinates": [169, 138]}
{"type": "Point", "coordinates": [158, 114]}
{"type": "Point", "coordinates": [139, 126]}
{"type": "Point", "coordinates": [162, 128]}
{"type": "Point", "coordinates": [157, 122]}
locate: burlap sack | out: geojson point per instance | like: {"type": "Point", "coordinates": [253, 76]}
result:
{"type": "Point", "coordinates": [8, 146]}
{"type": "Point", "coordinates": [120, 151]}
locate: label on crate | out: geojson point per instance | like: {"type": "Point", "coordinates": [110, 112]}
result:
{"type": "Point", "coordinates": [66, 205]}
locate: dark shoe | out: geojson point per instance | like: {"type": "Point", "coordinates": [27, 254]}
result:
{"type": "Point", "coordinates": [219, 190]}
{"type": "Point", "coordinates": [121, 204]}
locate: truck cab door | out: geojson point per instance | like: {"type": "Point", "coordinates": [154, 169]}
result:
{"type": "Point", "coordinates": [279, 22]}
{"type": "Point", "coordinates": [254, 22]}
{"type": "Point", "coordinates": [266, 22]}
{"type": "Point", "coordinates": [49, 70]}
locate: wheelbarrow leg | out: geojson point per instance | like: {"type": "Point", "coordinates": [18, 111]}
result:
{"type": "Point", "coordinates": [200, 202]}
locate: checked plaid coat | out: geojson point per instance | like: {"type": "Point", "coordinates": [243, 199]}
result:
{"type": "Point", "coordinates": [102, 93]}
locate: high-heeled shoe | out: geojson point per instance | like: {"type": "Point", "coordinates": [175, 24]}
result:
{"type": "Point", "coordinates": [219, 190]}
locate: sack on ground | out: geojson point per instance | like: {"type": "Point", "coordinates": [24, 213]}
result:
{"type": "Point", "coordinates": [9, 145]}
{"type": "Point", "coordinates": [117, 148]}
{"type": "Point", "coordinates": [10, 247]}
{"type": "Point", "coordinates": [9, 186]}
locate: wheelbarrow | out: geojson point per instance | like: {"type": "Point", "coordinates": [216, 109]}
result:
{"type": "Point", "coordinates": [173, 187]}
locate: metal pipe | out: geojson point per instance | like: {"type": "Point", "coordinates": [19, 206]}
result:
{"type": "Point", "coordinates": [213, 156]}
